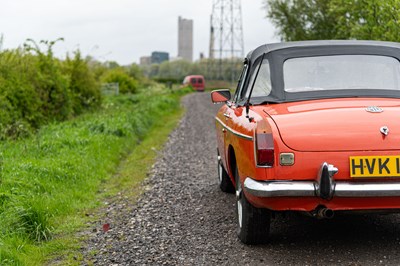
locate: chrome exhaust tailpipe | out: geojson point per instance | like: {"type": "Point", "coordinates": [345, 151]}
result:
{"type": "Point", "coordinates": [325, 213]}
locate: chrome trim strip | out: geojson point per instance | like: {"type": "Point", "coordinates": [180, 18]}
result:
{"type": "Point", "coordinates": [352, 190]}
{"type": "Point", "coordinates": [308, 189]}
{"type": "Point", "coordinates": [279, 188]}
{"type": "Point", "coordinates": [227, 115]}
{"type": "Point", "coordinates": [234, 132]}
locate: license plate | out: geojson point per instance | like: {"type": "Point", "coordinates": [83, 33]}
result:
{"type": "Point", "coordinates": [374, 166]}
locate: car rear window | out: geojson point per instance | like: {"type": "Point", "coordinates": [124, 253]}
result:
{"type": "Point", "coordinates": [199, 80]}
{"type": "Point", "coordinates": [341, 72]}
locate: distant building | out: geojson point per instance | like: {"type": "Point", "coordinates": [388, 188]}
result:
{"type": "Point", "coordinates": [145, 60]}
{"type": "Point", "coordinates": [159, 57]}
{"type": "Point", "coordinates": [185, 39]}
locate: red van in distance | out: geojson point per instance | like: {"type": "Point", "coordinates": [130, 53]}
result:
{"type": "Point", "coordinates": [196, 81]}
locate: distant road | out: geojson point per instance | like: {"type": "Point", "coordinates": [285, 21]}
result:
{"type": "Point", "coordinates": [183, 217]}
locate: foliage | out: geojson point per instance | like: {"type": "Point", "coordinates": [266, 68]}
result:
{"type": "Point", "coordinates": [302, 19]}
{"type": "Point", "coordinates": [97, 68]}
{"type": "Point", "coordinates": [211, 69]}
{"type": "Point", "coordinates": [335, 19]}
{"type": "Point", "coordinates": [49, 179]}
{"type": "Point", "coordinates": [36, 88]}
{"type": "Point", "coordinates": [129, 78]}
{"type": "Point", "coordinates": [112, 65]}
{"type": "Point", "coordinates": [50, 82]}
{"type": "Point", "coordinates": [367, 20]}
{"type": "Point", "coordinates": [19, 99]}
{"type": "Point", "coordinates": [178, 69]}
{"type": "Point", "coordinates": [126, 83]}
{"type": "Point", "coordinates": [136, 72]}
{"type": "Point", "coordinates": [82, 84]}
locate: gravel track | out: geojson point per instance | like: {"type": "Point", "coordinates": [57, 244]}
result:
{"type": "Point", "coordinates": [184, 219]}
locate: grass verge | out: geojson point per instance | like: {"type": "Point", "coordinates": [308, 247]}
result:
{"type": "Point", "coordinates": [134, 169]}
{"type": "Point", "coordinates": [49, 181]}
{"type": "Point", "coordinates": [131, 172]}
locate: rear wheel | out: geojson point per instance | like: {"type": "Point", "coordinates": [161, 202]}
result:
{"type": "Point", "coordinates": [224, 182]}
{"type": "Point", "coordinates": [253, 223]}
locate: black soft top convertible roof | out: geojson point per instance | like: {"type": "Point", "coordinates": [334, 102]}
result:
{"type": "Point", "coordinates": [266, 48]}
{"type": "Point", "coordinates": [277, 53]}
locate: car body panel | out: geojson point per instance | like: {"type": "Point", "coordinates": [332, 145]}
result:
{"type": "Point", "coordinates": [347, 127]}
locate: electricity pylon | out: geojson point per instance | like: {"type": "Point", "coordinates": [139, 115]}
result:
{"type": "Point", "coordinates": [226, 32]}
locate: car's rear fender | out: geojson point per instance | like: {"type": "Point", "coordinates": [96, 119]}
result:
{"type": "Point", "coordinates": [239, 143]}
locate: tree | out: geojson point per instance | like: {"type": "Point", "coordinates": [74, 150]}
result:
{"type": "Point", "coordinates": [174, 69]}
{"type": "Point", "coordinates": [136, 72]}
{"type": "Point", "coordinates": [367, 20]}
{"type": "Point", "coordinates": [302, 19]}
{"type": "Point", "coordinates": [335, 19]}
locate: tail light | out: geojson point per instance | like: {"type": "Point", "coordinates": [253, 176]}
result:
{"type": "Point", "coordinates": [264, 146]}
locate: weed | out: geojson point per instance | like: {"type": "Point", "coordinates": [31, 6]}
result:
{"type": "Point", "coordinates": [34, 222]}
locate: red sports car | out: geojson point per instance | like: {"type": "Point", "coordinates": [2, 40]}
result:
{"type": "Point", "coordinates": [313, 127]}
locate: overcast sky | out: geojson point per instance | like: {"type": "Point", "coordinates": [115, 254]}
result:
{"type": "Point", "coordinates": [122, 30]}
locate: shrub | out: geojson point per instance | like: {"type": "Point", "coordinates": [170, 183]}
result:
{"type": "Point", "coordinates": [51, 84]}
{"type": "Point", "coordinates": [36, 88]}
{"type": "Point", "coordinates": [126, 83]}
{"type": "Point", "coordinates": [19, 99]}
{"type": "Point", "coordinates": [82, 84]}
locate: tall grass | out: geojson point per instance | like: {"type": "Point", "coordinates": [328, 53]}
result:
{"type": "Point", "coordinates": [47, 178]}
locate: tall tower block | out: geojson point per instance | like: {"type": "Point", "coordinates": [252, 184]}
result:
{"type": "Point", "coordinates": [185, 39]}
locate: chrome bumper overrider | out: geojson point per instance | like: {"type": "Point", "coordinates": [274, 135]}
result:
{"type": "Point", "coordinates": [324, 187]}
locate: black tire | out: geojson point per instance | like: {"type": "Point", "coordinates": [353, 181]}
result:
{"type": "Point", "coordinates": [224, 182]}
{"type": "Point", "coordinates": [253, 223]}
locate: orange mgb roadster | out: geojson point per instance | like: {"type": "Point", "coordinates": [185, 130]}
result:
{"type": "Point", "coordinates": [313, 127]}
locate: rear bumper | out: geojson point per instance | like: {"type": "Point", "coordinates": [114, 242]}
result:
{"type": "Point", "coordinates": [324, 187]}
{"type": "Point", "coordinates": [272, 189]}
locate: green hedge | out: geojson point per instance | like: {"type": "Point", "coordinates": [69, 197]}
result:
{"type": "Point", "coordinates": [36, 88]}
